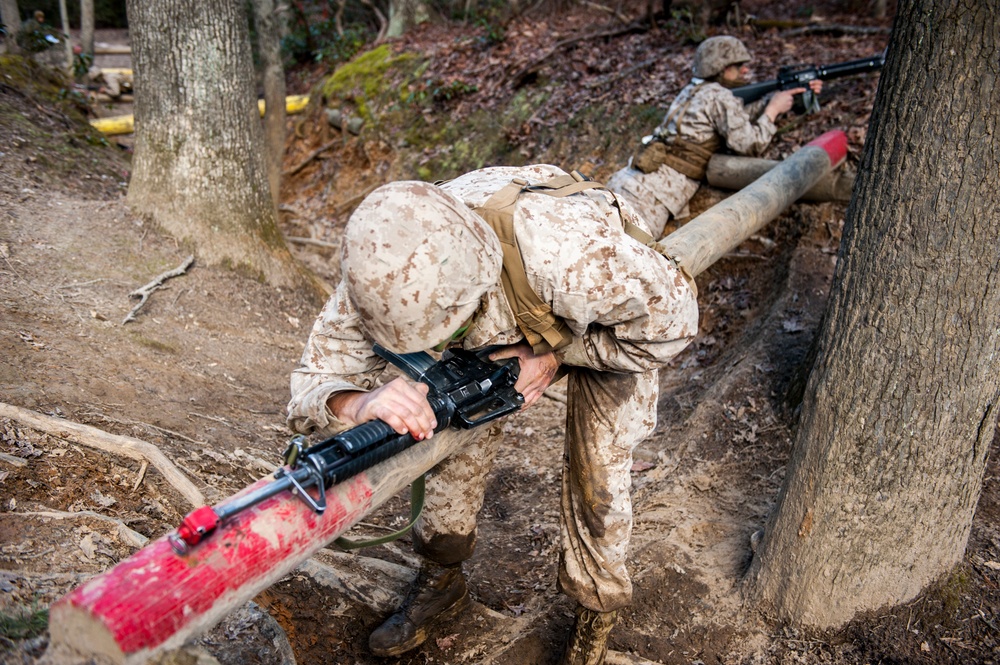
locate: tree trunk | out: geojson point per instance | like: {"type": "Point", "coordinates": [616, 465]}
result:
{"type": "Point", "coordinates": [900, 408]}
{"type": "Point", "coordinates": [87, 27]}
{"type": "Point", "coordinates": [11, 16]}
{"type": "Point", "coordinates": [67, 43]}
{"type": "Point", "coordinates": [199, 168]}
{"type": "Point", "coordinates": [404, 14]}
{"type": "Point", "coordinates": [268, 22]}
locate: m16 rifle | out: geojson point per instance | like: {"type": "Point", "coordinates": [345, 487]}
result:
{"type": "Point", "coordinates": [466, 390]}
{"type": "Point", "coordinates": [792, 77]}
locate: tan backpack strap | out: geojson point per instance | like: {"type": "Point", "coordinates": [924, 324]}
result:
{"type": "Point", "coordinates": [544, 330]}
{"type": "Point", "coordinates": [565, 185]}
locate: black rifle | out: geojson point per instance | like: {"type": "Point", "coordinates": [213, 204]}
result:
{"type": "Point", "coordinates": [466, 390]}
{"type": "Point", "coordinates": [790, 77]}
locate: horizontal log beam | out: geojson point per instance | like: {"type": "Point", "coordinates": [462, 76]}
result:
{"type": "Point", "coordinates": [125, 124]}
{"type": "Point", "coordinates": [723, 227]}
{"type": "Point", "coordinates": [734, 172]}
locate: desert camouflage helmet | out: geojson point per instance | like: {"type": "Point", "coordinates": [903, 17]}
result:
{"type": "Point", "coordinates": [417, 261]}
{"type": "Point", "coordinates": [716, 53]}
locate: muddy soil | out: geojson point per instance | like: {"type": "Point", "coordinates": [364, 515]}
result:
{"type": "Point", "coordinates": [202, 373]}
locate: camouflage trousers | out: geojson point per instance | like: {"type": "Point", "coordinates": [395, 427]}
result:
{"type": "Point", "coordinates": [658, 197]}
{"type": "Point", "coordinates": [608, 414]}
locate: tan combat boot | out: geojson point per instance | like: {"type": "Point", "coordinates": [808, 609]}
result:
{"type": "Point", "coordinates": [588, 645]}
{"type": "Point", "coordinates": [438, 593]}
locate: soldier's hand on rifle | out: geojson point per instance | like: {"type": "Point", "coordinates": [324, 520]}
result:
{"type": "Point", "coordinates": [401, 403]}
{"type": "Point", "coordinates": [781, 102]}
{"type": "Point", "coordinates": [536, 374]}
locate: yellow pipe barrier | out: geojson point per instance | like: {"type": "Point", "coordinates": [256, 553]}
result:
{"type": "Point", "coordinates": [125, 124]}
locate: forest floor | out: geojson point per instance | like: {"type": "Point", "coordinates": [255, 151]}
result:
{"type": "Point", "coordinates": [202, 373]}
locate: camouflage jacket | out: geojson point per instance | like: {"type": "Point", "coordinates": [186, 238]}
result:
{"type": "Point", "coordinates": [629, 308]}
{"type": "Point", "coordinates": [704, 110]}
{"type": "Point", "coordinates": [699, 112]}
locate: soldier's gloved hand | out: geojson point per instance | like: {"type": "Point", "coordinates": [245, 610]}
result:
{"type": "Point", "coordinates": [401, 403]}
{"type": "Point", "coordinates": [536, 373]}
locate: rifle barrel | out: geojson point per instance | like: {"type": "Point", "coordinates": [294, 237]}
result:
{"type": "Point", "coordinates": [862, 66]}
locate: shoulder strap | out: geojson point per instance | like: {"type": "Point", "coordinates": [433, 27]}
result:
{"type": "Point", "coordinates": [544, 330]}
{"type": "Point", "coordinates": [680, 110]}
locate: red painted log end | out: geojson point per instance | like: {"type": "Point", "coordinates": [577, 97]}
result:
{"type": "Point", "coordinates": [834, 143]}
{"type": "Point", "coordinates": [77, 636]}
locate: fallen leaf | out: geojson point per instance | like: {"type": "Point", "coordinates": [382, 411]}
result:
{"type": "Point", "coordinates": [446, 642]}
{"type": "Point", "coordinates": [87, 545]}
{"type": "Point", "coordinates": [792, 326]}
{"type": "Point", "coordinates": [104, 501]}
{"type": "Point", "coordinates": [702, 483]}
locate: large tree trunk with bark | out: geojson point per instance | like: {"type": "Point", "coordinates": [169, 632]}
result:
{"type": "Point", "coordinates": [11, 17]}
{"type": "Point", "coordinates": [901, 406]}
{"type": "Point", "coordinates": [199, 167]}
{"type": "Point", "coordinates": [267, 19]}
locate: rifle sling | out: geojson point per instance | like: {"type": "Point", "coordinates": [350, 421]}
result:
{"type": "Point", "coordinates": [416, 508]}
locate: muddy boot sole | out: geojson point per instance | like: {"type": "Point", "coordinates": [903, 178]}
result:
{"type": "Point", "coordinates": [421, 632]}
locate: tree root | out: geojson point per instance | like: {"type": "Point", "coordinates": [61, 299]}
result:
{"type": "Point", "coordinates": [622, 658]}
{"type": "Point", "coordinates": [310, 241]}
{"type": "Point", "coordinates": [144, 292]}
{"type": "Point", "coordinates": [376, 584]}
{"type": "Point", "coordinates": [111, 443]}
{"type": "Point", "coordinates": [127, 535]}
{"type": "Point", "coordinates": [313, 155]}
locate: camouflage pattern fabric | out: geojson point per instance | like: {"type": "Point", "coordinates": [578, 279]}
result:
{"type": "Point", "coordinates": [716, 53]}
{"type": "Point", "coordinates": [630, 312]}
{"type": "Point", "coordinates": [712, 110]}
{"type": "Point", "coordinates": [417, 261]}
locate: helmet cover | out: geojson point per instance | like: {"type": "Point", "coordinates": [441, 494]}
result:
{"type": "Point", "coordinates": [417, 261]}
{"type": "Point", "coordinates": [716, 53]}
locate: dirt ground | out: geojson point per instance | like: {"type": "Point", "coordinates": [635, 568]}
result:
{"type": "Point", "coordinates": [202, 373]}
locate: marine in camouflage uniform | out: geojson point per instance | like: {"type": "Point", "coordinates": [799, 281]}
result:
{"type": "Point", "coordinates": [705, 113]}
{"type": "Point", "coordinates": [419, 264]}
